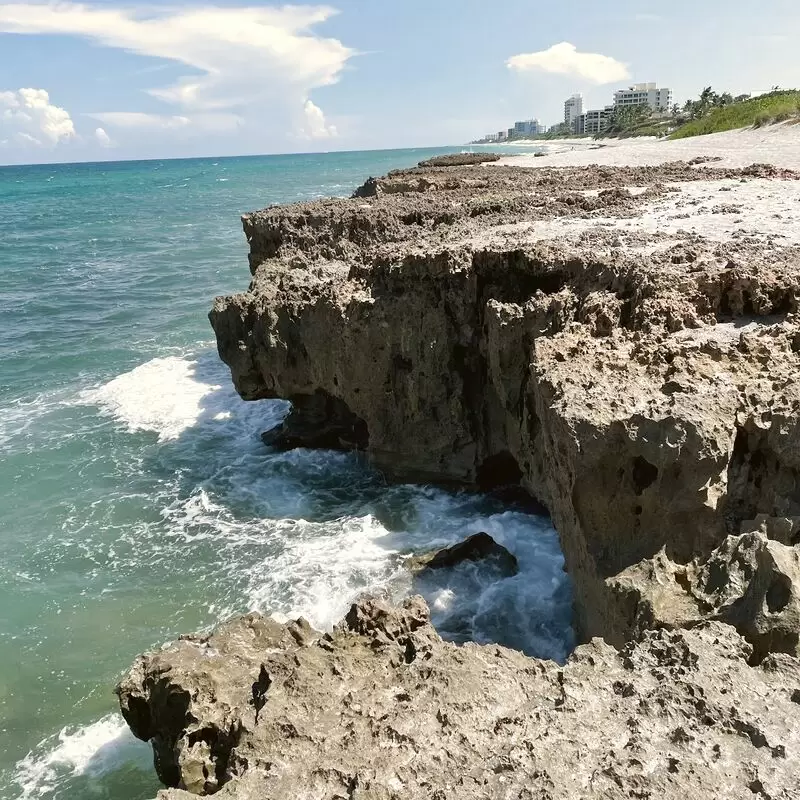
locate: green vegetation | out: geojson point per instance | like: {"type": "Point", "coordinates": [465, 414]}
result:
{"type": "Point", "coordinates": [639, 120]}
{"type": "Point", "coordinates": [714, 113]}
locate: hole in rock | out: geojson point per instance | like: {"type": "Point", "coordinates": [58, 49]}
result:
{"type": "Point", "coordinates": [514, 278]}
{"type": "Point", "coordinates": [644, 474]}
{"type": "Point", "coordinates": [779, 594]}
{"type": "Point", "coordinates": [500, 469]}
{"type": "Point", "coordinates": [501, 476]}
{"type": "Point", "coordinates": [319, 421]}
{"type": "Point", "coordinates": [759, 481]}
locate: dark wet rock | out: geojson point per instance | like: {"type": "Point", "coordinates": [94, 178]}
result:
{"type": "Point", "coordinates": [370, 188]}
{"type": "Point", "coordinates": [383, 708]}
{"type": "Point", "coordinates": [318, 421]}
{"type": "Point", "coordinates": [478, 547]}
{"type": "Point", "coordinates": [460, 159]}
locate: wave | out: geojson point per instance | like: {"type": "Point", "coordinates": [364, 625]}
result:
{"type": "Point", "coordinates": [87, 752]}
{"type": "Point", "coordinates": [301, 533]}
{"type": "Point", "coordinates": [168, 395]}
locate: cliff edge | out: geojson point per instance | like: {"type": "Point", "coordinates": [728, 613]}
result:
{"type": "Point", "coordinates": [620, 342]}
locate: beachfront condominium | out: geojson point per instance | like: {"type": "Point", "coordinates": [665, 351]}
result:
{"type": "Point", "coordinates": [644, 94]}
{"type": "Point", "coordinates": [593, 122]}
{"type": "Point", "coordinates": [573, 108]}
{"type": "Point", "coordinates": [529, 127]}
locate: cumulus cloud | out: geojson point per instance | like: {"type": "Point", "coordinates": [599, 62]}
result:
{"type": "Point", "coordinates": [236, 58]}
{"type": "Point", "coordinates": [28, 116]}
{"type": "Point", "coordinates": [315, 126]}
{"type": "Point", "coordinates": [103, 139]}
{"type": "Point", "coordinates": [564, 59]}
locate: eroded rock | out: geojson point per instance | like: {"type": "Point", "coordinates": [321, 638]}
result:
{"type": "Point", "coordinates": [383, 708]}
{"type": "Point", "coordinates": [643, 387]}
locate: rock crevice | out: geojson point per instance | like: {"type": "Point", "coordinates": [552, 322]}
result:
{"type": "Point", "coordinates": [645, 391]}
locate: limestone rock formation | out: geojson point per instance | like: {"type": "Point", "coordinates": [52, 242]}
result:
{"type": "Point", "coordinates": [489, 325]}
{"type": "Point", "coordinates": [750, 582]}
{"type": "Point", "coordinates": [460, 160]}
{"type": "Point", "coordinates": [383, 708]}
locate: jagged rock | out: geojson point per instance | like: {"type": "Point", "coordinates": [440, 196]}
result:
{"type": "Point", "coordinates": [383, 708]}
{"type": "Point", "coordinates": [645, 391]}
{"type": "Point", "coordinates": [370, 188]}
{"type": "Point", "coordinates": [478, 547]}
{"type": "Point", "coordinates": [460, 160]}
{"type": "Point", "coordinates": [750, 582]}
{"type": "Point", "coordinates": [753, 584]}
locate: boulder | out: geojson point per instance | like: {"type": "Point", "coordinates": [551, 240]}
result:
{"type": "Point", "coordinates": [475, 548]}
{"type": "Point", "coordinates": [753, 583]}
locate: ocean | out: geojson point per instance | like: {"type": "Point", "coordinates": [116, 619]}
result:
{"type": "Point", "coordinates": [138, 501]}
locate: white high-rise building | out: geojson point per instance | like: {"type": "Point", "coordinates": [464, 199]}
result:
{"type": "Point", "coordinates": [644, 93]}
{"type": "Point", "coordinates": [573, 108]}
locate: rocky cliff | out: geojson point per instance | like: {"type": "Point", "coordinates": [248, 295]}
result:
{"type": "Point", "coordinates": [623, 344]}
{"type": "Point", "coordinates": [493, 325]}
{"type": "Point", "coordinates": [384, 710]}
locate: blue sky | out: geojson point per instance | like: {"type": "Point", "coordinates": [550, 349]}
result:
{"type": "Point", "coordinates": [112, 80]}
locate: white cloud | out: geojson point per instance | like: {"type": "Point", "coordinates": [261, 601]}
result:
{"type": "Point", "coordinates": [242, 58]}
{"type": "Point", "coordinates": [103, 139]}
{"type": "Point", "coordinates": [30, 118]}
{"type": "Point", "coordinates": [140, 121]}
{"type": "Point", "coordinates": [315, 126]}
{"type": "Point", "coordinates": [197, 124]}
{"type": "Point", "coordinates": [564, 59]}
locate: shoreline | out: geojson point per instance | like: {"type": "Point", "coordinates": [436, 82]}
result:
{"type": "Point", "coordinates": [777, 144]}
{"type": "Point", "coordinates": [619, 339]}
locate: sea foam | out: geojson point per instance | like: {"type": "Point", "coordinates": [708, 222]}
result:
{"type": "Point", "coordinates": [90, 751]}
{"type": "Point", "coordinates": [164, 395]}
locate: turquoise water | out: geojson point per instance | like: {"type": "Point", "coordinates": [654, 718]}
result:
{"type": "Point", "coordinates": [137, 499]}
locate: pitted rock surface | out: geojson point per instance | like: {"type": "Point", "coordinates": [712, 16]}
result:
{"type": "Point", "coordinates": [643, 386]}
{"type": "Point", "coordinates": [384, 709]}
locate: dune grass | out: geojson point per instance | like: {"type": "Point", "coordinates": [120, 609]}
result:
{"type": "Point", "coordinates": [766, 109]}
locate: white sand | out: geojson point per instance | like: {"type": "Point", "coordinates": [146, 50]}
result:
{"type": "Point", "coordinates": [761, 209]}
{"type": "Point", "coordinates": [776, 144]}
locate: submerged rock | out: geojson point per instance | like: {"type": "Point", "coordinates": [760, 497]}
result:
{"type": "Point", "coordinates": [383, 708]}
{"type": "Point", "coordinates": [478, 547]}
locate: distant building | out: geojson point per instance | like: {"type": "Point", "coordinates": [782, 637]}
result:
{"type": "Point", "coordinates": [573, 108]}
{"type": "Point", "coordinates": [501, 135]}
{"type": "Point", "coordinates": [644, 94]}
{"type": "Point", "coordinates": [528, 127]}
{"type": "Point", "coordinates": [593, 122]}
{"type": "Point", "coordinates": [510, 133]}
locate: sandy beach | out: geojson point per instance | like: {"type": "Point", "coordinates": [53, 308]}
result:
{"type": "Point", "coordinates": [757, 208]}
{"type": "Point", "coordinates": [777, 144]}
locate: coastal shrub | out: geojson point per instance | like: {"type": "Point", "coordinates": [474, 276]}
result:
{"type": "Point", "coordinates": [776, 106]}
{"type": "Point", "coordinates": [762, 119]}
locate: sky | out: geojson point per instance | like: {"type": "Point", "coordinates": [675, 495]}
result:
{"type": "Point", "coordinates": [109, 80]}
